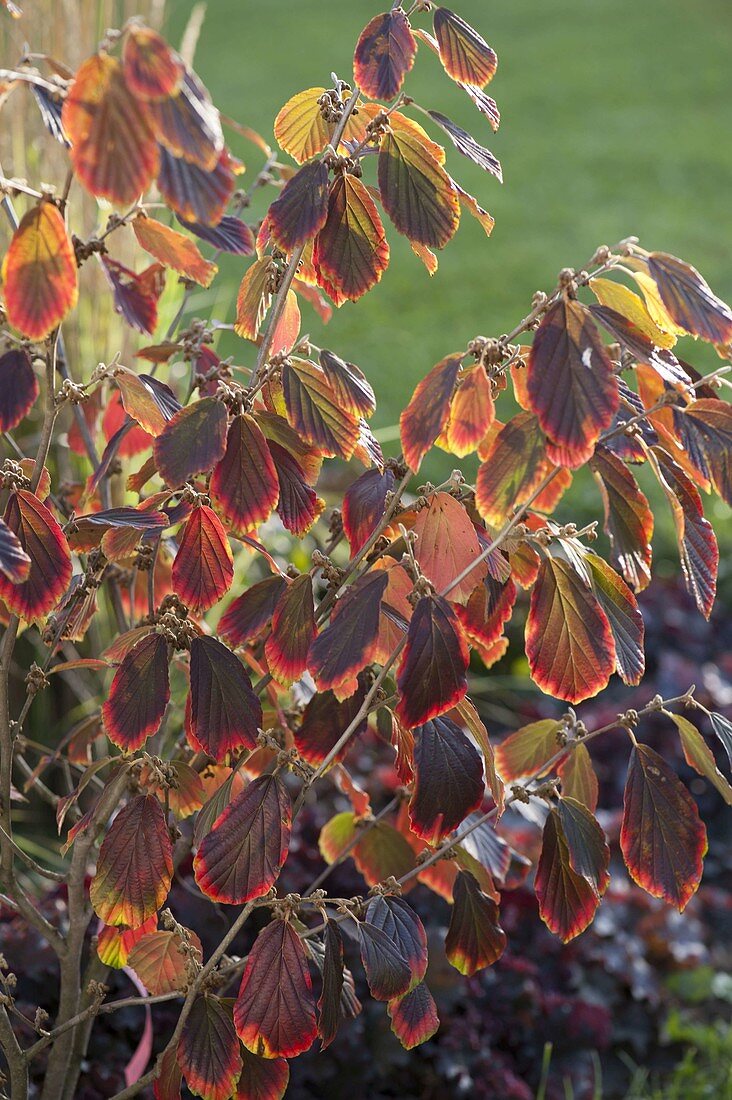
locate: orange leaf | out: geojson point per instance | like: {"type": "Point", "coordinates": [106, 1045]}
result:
{"type": "Point", "coordinates": [39, 273]}
{"type": "Point", "coordinates": [174, 250]}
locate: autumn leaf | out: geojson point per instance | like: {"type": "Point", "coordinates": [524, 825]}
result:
{"type": "Point", "coordinates": [174, 250]}
{"type": "Point", "coordinates": [135, 865]}
{"type": "Point", "coordinates": [351, 251]}
{"type": "Point", "coordinates": [432, 675]}
{"type": "Point", "coordinates": [40, 280]}
{"type": "Point", "coordinates": [385, 53]}
{"type": "Point", "coordinates": [417, 193]}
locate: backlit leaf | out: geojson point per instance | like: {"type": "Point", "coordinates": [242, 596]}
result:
{"type": "Point", "coordinates": [489, 607]}
{"type": "Point", "coordinates": [113, 148]}
{"type": "Point", "coordinates": [384, 55]}
{"type": "Point", "coordinates": [244, 485]}
{"type": "Point", "coordinates": [624, 301]}
{"type": "Point", "coordinates": [414, 1017]}
{"type": "Point", "coordinates": [466, 144]}
{"type": "Point", "coordinates": [43, 541]}
{"type": "Point", "coordinates": [427, 413]}
{"type": "Point", "coordinates": [39, 277]}
{"type": "Point", "coordinates": [242, 856]}
{"type": "Point", "coordinates": [634, 341]}
{"type": "Point", "coordinates": [447, 544]}
{"type": "Point", "coordinates": [293, 630]}
{"type": "Point", "coordinates": [151, 69]}
{"type": "Point", "coordinates": [249, 614]}
{"type": "Point", "coordinates": [417, 193]}
{"type": "Point", "coordinates": [223, 713]}
{"type": "Point", "coordinates": [314, 410]}
{"type": "Point", "coordinates": [14, 562]}
{"type": "Point", "coordinates": [136, 296]}
{"type": "Point", "coordinates": [135, 865]}
{"type": "Point", "coordinates": [192, 442]}
{"type": "Point", "coordinates": [299, 505]}
{"type": "Point", "coordinates": [471, 412]}
{"type": "Point", "coordinates": [262, 1078]}
{"type": "Point", "coordinates": [364, 504]}
{"type": "Point", "coordinates": [569, 643]}
{"type": "Point", "coordinates": [348, 643]}
{"type": "Point", "coordinates": [432, 675]}
{"type": "Point", "coordinates": [139, 694]}
{"type": "Point", "coordinates": [474, 939]}
{"type": "Point", "coordinates": [662, 838]}
{"type": "Point", "coordinates": [115, 944]}
{"type": "Point", "coordinates": [628, 518]}
{"type": "Point", "coordinates": [723, 729]}
{"type": "Point", "coordinates": [146, 399]}
{"type": "Point", "coordinates": [208, 1050]}
{"type": "Point", "coordinates": [626, 621]}
{"type": "Point", "coordinates": [524, 752]}
{"type": "Point", "coordinates": [231, 235]}
{"type": "Point", "coordinates": [578, 777]}
{"type": "Point", "coordinates": [697, 542]}
{"type": "Point", "coordinates": [300, 211]}
{"type": "Point", "coordinates": [567, 900]}
{"type": "Point", "coordinates": [710, 420]}
{"type": "Point", "coordinates": [381, 853]}
{"type": "Point", "coordinates": [188, 126]}
{"type": "Point", "coordinates": [301, 129]}
{"type": "Point", "coordinates": [174, 250]}
{"type": "Point", "coordinates": [387, 971]}
{"type": "Point", "coordinates": [570, 382]}
{"type": "Point", "coordinates": [448, 774]}
{"type": "Point", "coordinates": [274, 1012]}
{"type": "Point", "coordinates": [689, 300]}
{"type": "Point", "coordinates": [349, 384]}
{"type": "Point", "coordinates": [351, 251]}
{"type": "Point", "coordinates": [18, 387]}
{"type": "Point", "coordinates": [193, 193]}
{"type": "Point", "coordinates": [514, 464]}
{"type": "Point", "coordinates": [159, 960]}
{"type": "Point", "coordinates": [700, 757]}
{"type": "Point", "coordinates": [203, 569]}
{"type": "Point", "coordinates": [466, 56]}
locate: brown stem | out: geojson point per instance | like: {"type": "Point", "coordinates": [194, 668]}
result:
{"type": "Point", "coordinates": [14, 1056]}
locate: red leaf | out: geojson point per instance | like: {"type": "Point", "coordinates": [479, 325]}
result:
{"type": "Point", "coordinates": [188, 126]}
{"type": "Point", "coordinates": [194, 193]}
{"type": "Point", "coordinates": [466, 56]}
{"type": "Point", "coordinates": [193, 441]}
{"type": "Point", "coordinates": [710, 422]}
{"type": "Point", "coordinates": [349, 642]}
{"type": "Point", "coordinates": [151, 69]}
{"type": "Point", "coordinates": [364, 504]}
{"type": "Point", "coordinates": [416, 191]}
{"type": "Point", "coordinates": [174, 250]}
{"type": "Point", "coordinates": [414, 1017]}
{"type": "Point", "coordinates": [14, 562]}
{"type": "Point", "coordinates": [448, 774]}
{"type": "Point", "coordinates": [262, 1078]}
{"type": "Point", "coordinates": [139, 694]}
{"type": "Point", "coordinates": [324, 720]}
{"type": "Point", "coordinates": [146, 399]}
{"type": "Point", "coordinates": [136, 441]}
{"type": "Point", "coordinates": [662, 838]}
{"type": "Point", "coordinates": [274, 1012]}
{"type": "Point", "coordinates": [569, 643]}
{"type": "Point", "coordinates": [223, 713]}
{"type": "Point", "coordinates": [474, 939]}
{"type": "Point", "coordinates": [387, 971]}
{"type": "Point", "coordinates": [135, 865]}
{"type": "Point", "coordinates": [514, 464]}
{"type": "Point", "coordinates": [293, 630]}
{"type": "Point", "coordinates": [242, 856]}
{"type": "Point", "coordinates": [299, 505]}
{"type": "Point", "coordinates": [313, 410]}
{"type": "Point", "coordinates": [695, 536]}
{"type": "Point", "coordinates": [249, 614]}
{"type": "Point", "coordinates": [432, 676]}
{"type": "Point", "coordinates": [427, 413]}
{"type": "Point", "coordinates": [159, 960]}
{"type": "Point", "coordinates": [18, 388]}
{"type": "Point", "coordinates": [399, 922]}
{"type": "Point", "coordinates": [136, 296]}
{"type": "Point", "coordinates": [385, 53]}
{"type": "Point", "coordinates": [167, 1084]}
{"type": "Point", "coordinates": [689, 300]}
{"type": "Point", "coordinates": [628, 518]}
{"type": "Point", "coordinates": [349, 384]}
{"type": "Point", "coordinates": [43, 541]}
{"type": "Point", "coordinates": [300, 211]}
{"type": "Point", "coordinates": [488, 609]}
{"type": "Point", "coordinates": [567, 901]}
{"type": "Point", "coordinates": [113, 148]}
{"type": "Point", "coordinates": [244, 485]}
{"type": "Point", "coordinates": [40, 280]}
{"type": "Point", "coordinates": [208, 1050]}
{"type": "Point", "coordinates": [351, 251]}
{"type": "Point", "coordinates": [471, 412]}
{"type": "Point", "coordinates": [626, 621]}
{"type": "Point", "coordinates": [114, 944]}
{"type": "Point", "coordinates": [447, 544]}
{"type": "Point", "coordinates": [203, 569]}
{"type": "Point", "coordinates": [570, 383]}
